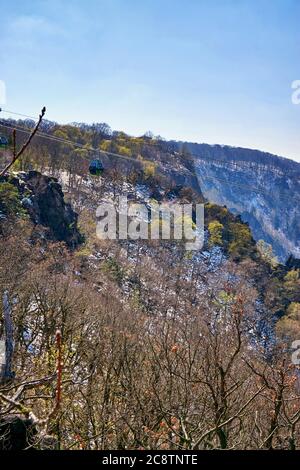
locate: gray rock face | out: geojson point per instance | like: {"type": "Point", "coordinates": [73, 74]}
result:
{"type": "Point", "coordinates": [43, 199]}
{"type": "Point", "coordinates": [263, 188]}
{"type": "Point", "coordinates": [272, 209]}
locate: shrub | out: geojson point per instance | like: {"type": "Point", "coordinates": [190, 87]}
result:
{"type": "Point", "coordinates": [9, 200]}
{"type": "Point", "coordinates": [215, 229]}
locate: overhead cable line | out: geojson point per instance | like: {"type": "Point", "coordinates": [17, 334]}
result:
{"type": "Point", "coordinates": [57, 139]}
{"type": "Point", "coordinates": [209, 160]}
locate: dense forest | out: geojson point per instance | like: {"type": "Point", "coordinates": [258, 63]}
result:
{"type": "Point", "coordinates": [138, 344]}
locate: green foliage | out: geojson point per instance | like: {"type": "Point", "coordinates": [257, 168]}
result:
{"type": "Point", "coordinates": [215, 229]}
{"type": "Point", "coordinates": [224, 299]}
{"type": "Point", "coordinates": [136, 298]}
{"type": "Point", "coordinates": [292, 285]}
{"type": "Point", "coordinates": [113, 268]}
{"type": "Point", "coordinates": [149, 170]}
{"type": "Point", "coordinates": [84, 251]}
{"type": "Point", "coordinates": [124, 150]}
{"type": "Point", "coordinates": [291, 278]}
{"type": "Point", "coordinates": [105, 145]}
{"type": "Point", "coordinates": [241, 243]}
{"type": "Point", "coordinates": [266, 253]}
{"type": "Point", "coordinates": [293, 312]}
{"type": "Point", "coordinates": [215, 212]}
{"type": "Point", "coordinates": [9, 200]}
{"type": "Point", "coordinates": [288, 327]}
{"type": "Point", "coordinates": [228, 230]}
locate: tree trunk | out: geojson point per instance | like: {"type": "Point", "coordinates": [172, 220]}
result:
{"type": "Point", "coordinates": [6, 367]}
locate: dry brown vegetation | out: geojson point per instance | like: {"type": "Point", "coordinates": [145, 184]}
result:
{"type": "Point", "coordinates": [158, 352]}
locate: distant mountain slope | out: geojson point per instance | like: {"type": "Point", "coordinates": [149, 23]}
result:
{"type": "Point", "coordinates": [263, 188]}
{"type": "Point", "coordinates": [227, 152]}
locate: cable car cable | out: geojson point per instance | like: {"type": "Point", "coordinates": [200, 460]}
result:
{"type": "Point", "coordinates": [94, 150]}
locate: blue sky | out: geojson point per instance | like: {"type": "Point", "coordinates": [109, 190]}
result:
{"type": "Point", "coordinates": [216, 71]}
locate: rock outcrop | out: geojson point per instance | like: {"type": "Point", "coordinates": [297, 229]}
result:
{"type": "Point", "coordinates": [42, 197]}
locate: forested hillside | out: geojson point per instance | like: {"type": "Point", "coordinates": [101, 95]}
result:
{"type": "Point", "coordinates": [138, 344]}
{"type": "Point", "coordinates": [263, 188]}
{"type": "Point", "coordinates": [149, 271]}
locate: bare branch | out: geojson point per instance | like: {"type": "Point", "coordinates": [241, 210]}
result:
{"type": "Point", "coordinates": [24, 147]}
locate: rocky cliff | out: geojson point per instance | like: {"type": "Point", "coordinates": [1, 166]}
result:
{"type": "Point", "coordinates": [43, 199]}
{"type": "Point", "coordinates": [264, 189]}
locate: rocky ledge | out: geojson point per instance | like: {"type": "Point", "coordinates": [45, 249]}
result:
{"type": "Point", "coordinates": [42, 197]}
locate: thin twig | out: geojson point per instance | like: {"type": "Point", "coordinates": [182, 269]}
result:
{"type": "Point", "coordinates": [24, 147]}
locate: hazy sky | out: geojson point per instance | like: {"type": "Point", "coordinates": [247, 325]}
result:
{"type": "Point", "coordinates": [216, 71]}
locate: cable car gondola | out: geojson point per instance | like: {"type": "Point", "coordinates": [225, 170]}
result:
{"type": "Point", "coordinates": [96, 168]}
{"type": "Point", "coordinates": [3, 141]}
